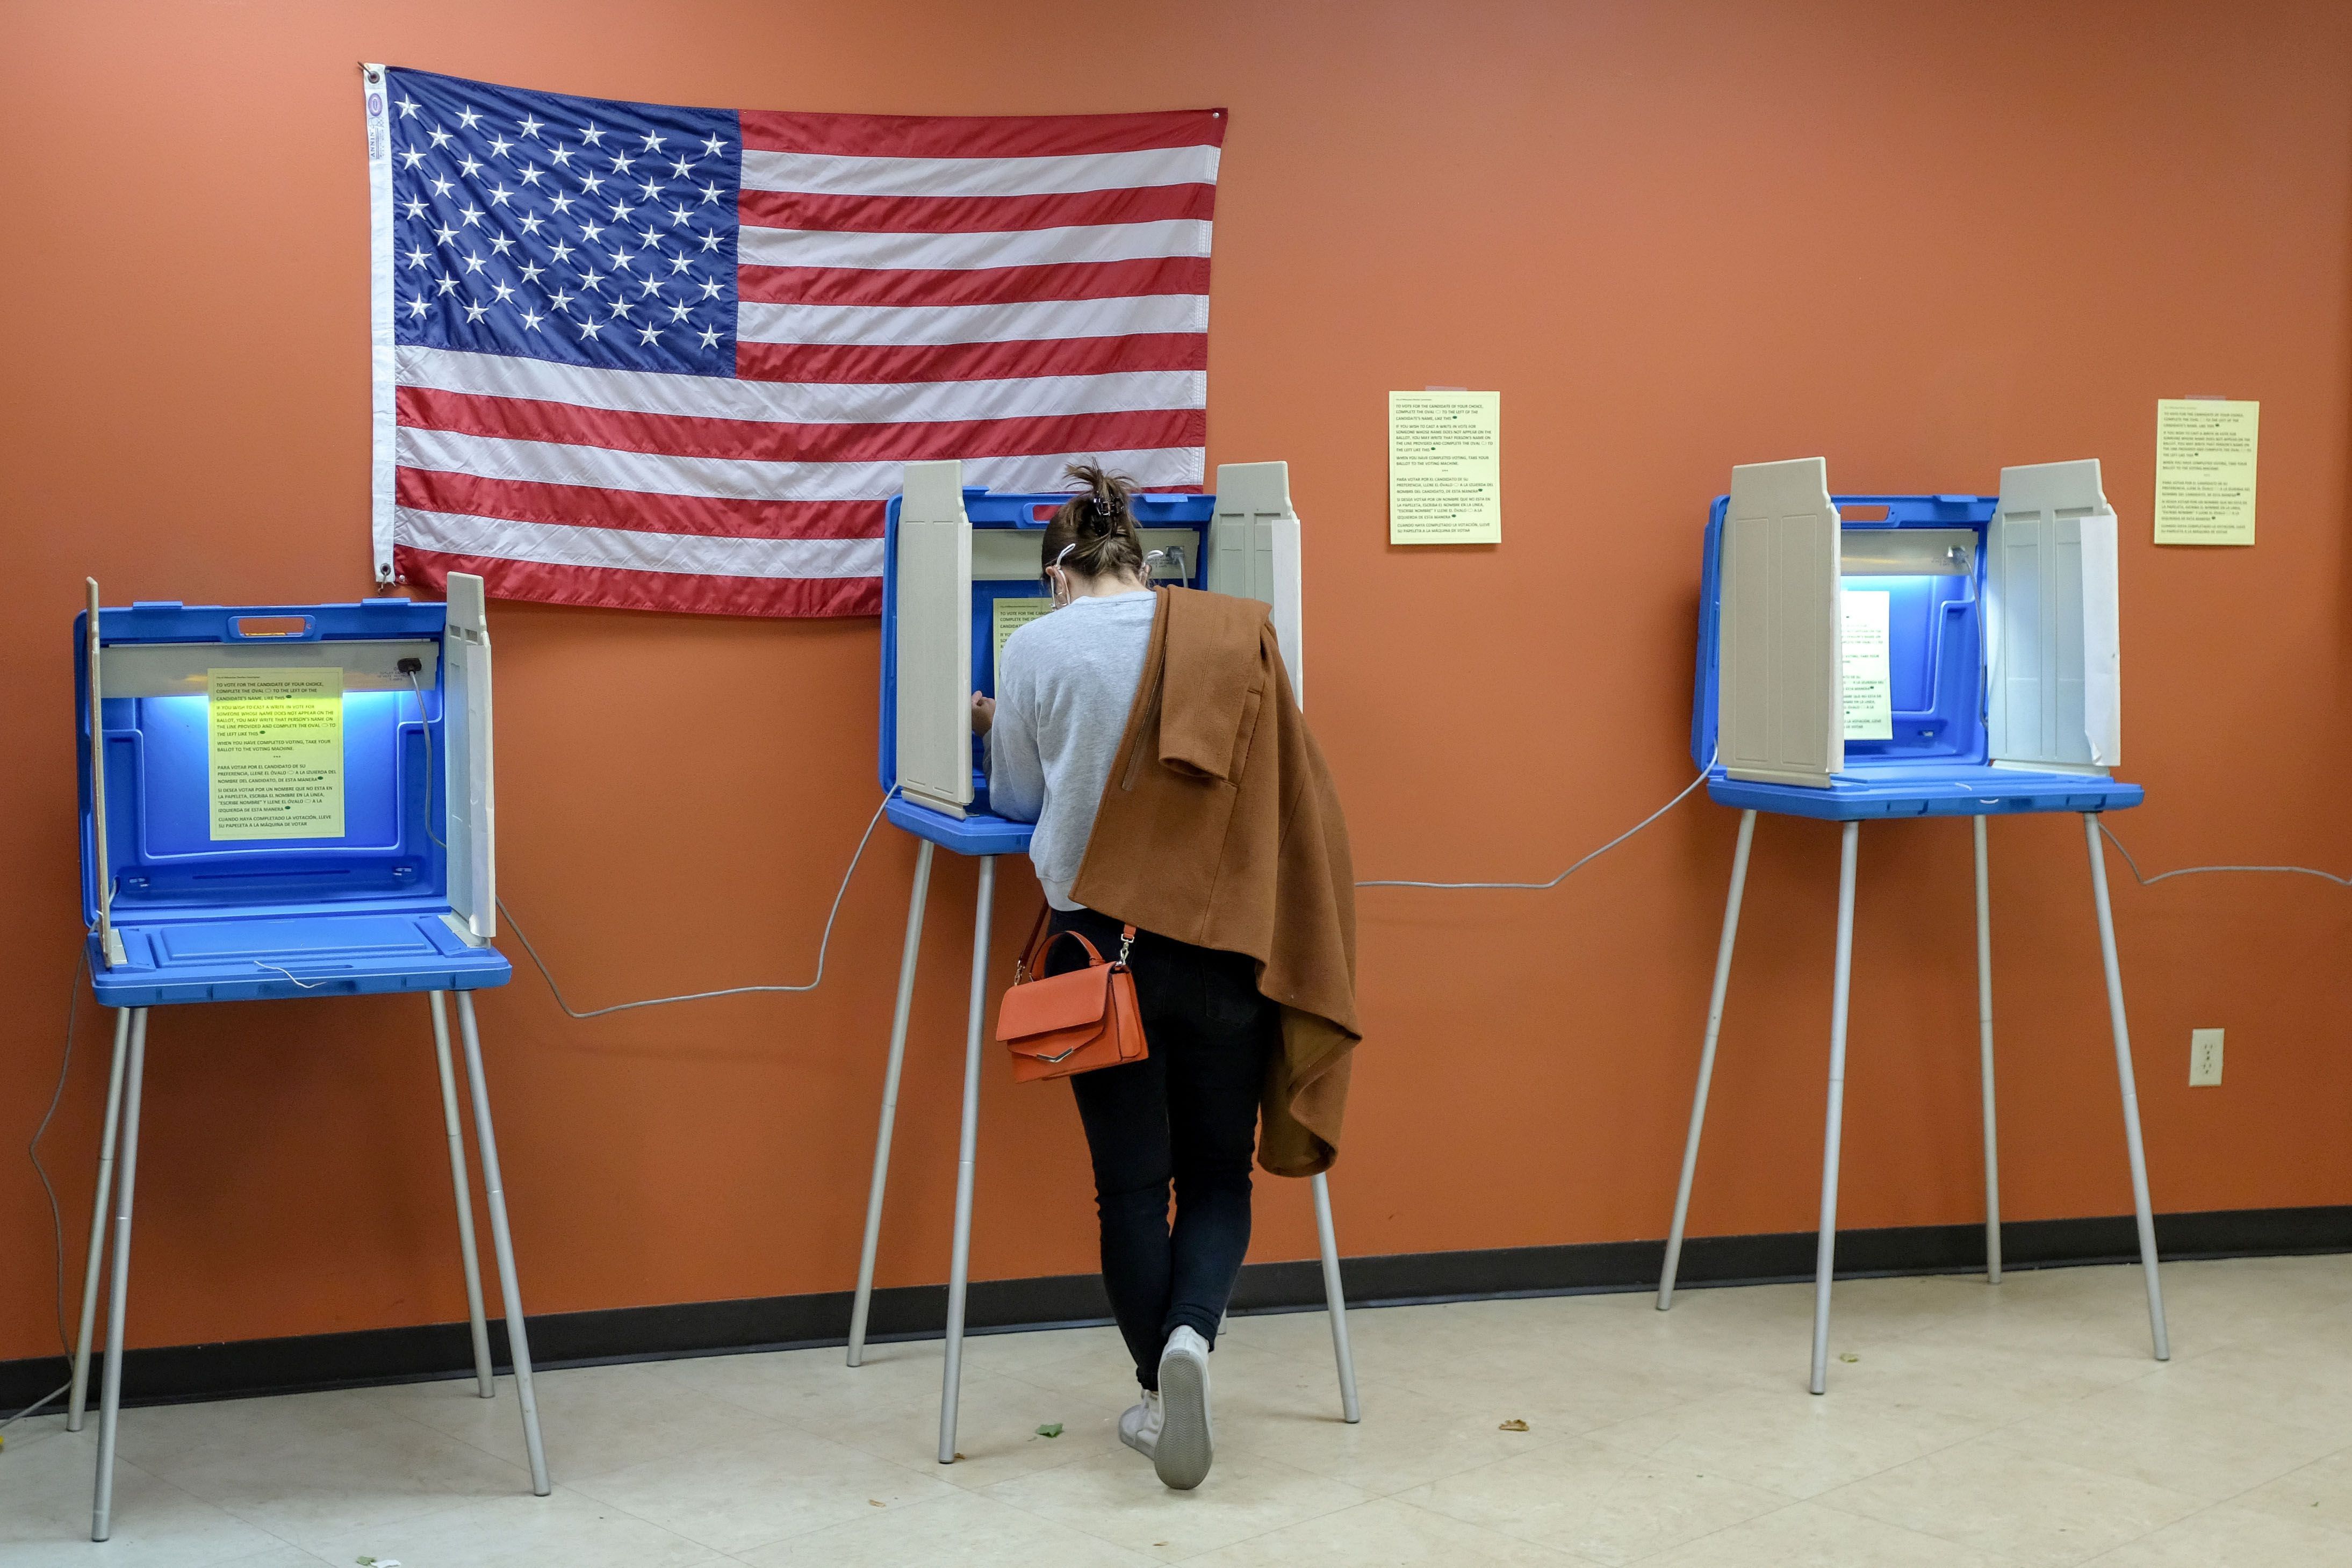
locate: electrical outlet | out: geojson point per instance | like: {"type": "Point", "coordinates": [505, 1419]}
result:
{"type": "Point", "coordinates": [2204, 1058]}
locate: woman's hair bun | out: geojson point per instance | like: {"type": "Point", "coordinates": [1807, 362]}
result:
{"type": "Point", "coordinates": [1096, 524]}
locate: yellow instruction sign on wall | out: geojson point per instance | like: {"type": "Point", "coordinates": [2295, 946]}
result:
{"type": "Point", "coordinates": [1013, 613]}
{"type": "Point", "coordinates": [277, 754]}
{"type": "Point", "coordinates": [2205, 452]}
{"type": "Point", "coordinates": [1445, 468]}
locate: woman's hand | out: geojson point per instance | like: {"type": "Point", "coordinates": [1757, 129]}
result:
{"type": "Point", "coordinates": [984, 713]}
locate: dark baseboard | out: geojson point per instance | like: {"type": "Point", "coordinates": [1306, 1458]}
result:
{"type": "Point", "coordinates": [244, 1367]}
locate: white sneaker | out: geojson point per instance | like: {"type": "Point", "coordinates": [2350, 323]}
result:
{"type": "Point", "coordinates": [1185, 1444]}
{"type": "Point", "coordinates": [1139, 1428]}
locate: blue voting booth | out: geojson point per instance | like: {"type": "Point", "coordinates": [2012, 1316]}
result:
{"type": "Point", "coordinates": [1873, 657]}
{"type": "Point", "coordinates": [287, 801]}
{"type": "Point", "coordinates": [951, 556]}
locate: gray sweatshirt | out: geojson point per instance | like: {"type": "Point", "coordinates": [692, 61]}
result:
{"type": "Point", "coordinates": [1064, 686]}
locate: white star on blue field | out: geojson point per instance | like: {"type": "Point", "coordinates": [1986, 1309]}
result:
{"type": "Point", "coordinates": [577, 229]}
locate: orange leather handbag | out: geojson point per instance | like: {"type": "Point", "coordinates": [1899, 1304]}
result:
{"type": "Point", "coordinates": [1058, 1025]}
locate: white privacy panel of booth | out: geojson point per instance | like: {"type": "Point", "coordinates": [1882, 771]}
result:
{"type": "Point", "coordinates": [2054, 699]}
{"type": "Point", "coordinates": [935, 639]}
{"type": "Point", "coordinates": [1780, 716]}
{"type": "Point", "coordinates": [1253, 552]}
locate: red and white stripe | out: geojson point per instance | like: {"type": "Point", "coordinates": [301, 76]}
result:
{"type": "Point", "coordinates": [1012, 292]}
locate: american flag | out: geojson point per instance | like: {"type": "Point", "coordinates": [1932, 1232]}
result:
{"type": "Point", "coordinates": [659, 358]}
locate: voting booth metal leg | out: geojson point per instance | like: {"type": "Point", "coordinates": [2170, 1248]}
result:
{"type": "Point", "coordinates": [959, 1260]}
{"type": "Point", "coordinates": [483, 1383]}
{"type": "Point", "coordinates": [1825, 1261]}
{"type": "Point", "coordinates": [1984, 1052]}
{"type": "Point", "coordinates": [865, 1297]}
{"type": "Point", "coordinates": [1335, 1297]}
{"type": "Point", "coordinates": [485, 1139]}
{"type": "Point", "coordinates": [1707, 1058]}
{"type": "Point", "coordinates": [92, 1266]}
{"type": "Point", "coordinates": [2130, 1089]}
{"type": "Point", "coordinates": [109, 1397]}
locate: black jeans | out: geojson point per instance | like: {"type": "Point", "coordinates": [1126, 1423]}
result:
{"type": "Point", "coordinates": [1186, 1114]}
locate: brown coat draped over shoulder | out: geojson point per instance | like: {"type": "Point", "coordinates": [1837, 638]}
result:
{"type": "Point", "coordinates": [1220, 827]}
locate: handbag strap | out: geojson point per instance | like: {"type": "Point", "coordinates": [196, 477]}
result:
{"type": "Point", "coordinates": [1032, 951]}
{"type": "Point", "coordinates": [1095, 958]}
{"type": "Point", "coordinates": [1031, 965]}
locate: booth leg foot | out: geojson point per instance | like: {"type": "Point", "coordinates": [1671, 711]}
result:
{"type": "Point", "coordinates": [110, 1398]}
{"type": "Point", "coordinates": [1825, 1259]}
{"type": "Point", "coordinates": [864, 1299]}
{"type": "Point", "coordinates": [1335, 1296]}
{"type": "Point", "coordinates": [959, 1261]}
{"type": "Point", "coordinates": [2124, 1078]}
{"type": "Point", "coordinates": [94, 1260]}
{"type": "Point", "coordinates": [1984, 1053]}
{"type": "Point", "coordinates": [484, 1384]}
{"type": "Point", "coordinates": [486, 1139]}
{"type": "Point", "coordinates": [1707, 1058]}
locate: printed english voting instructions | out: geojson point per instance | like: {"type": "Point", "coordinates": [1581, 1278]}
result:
{"type": "Point", "coordinates": [277, 752]}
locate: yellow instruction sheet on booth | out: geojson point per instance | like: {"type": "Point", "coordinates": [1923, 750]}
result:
{"type": "Point", "coordinates": [1011, 615]}
{"type": "Point", "coordinates": [277, 739]}
{"type": "Point", "coordinates": [1868, 671]}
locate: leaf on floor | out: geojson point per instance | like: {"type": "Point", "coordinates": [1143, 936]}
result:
{"type": "Point", "coordinates": [1848, 1357]}
{"type": "Point", "coordinates": [875, 1502]}
{"type": "Point", "coordinates": [1513, 1425]}
{"type": "Point", "coordinates": [1050, 1429]}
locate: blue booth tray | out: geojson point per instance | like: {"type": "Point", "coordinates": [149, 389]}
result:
{"type": "Point", "coordinates": [979, 834]}
{"type": "Point", "coordinates": [304, 952]}
{"type": "Point", "coordinates": [1927, 789]}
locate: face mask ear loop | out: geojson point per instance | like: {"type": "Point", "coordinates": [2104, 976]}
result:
{"type": "Point", "coordinates": [1057, 581]}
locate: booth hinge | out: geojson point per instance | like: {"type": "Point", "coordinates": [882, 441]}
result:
{"type": "Point", "coordinates": [465, 933]}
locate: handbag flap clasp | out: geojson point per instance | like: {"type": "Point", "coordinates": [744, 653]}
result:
{"type": "Point", "coordinates": [1061, 1002]}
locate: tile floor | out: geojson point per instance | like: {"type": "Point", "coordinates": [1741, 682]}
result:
{"type": "Point", "coordinates": [1965, 1425]}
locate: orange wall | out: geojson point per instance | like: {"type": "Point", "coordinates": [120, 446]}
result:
{"type": "Point", "coordinates": [1925, 241]}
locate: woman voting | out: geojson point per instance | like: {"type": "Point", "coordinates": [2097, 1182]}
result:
{"type": "Point", "coordinates": [1154, 738]}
